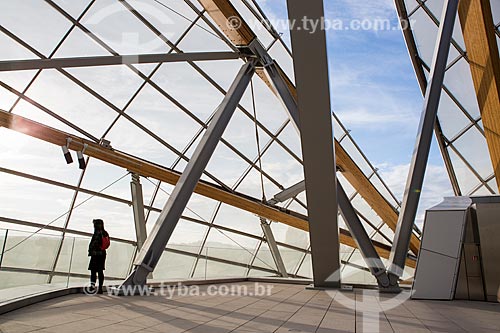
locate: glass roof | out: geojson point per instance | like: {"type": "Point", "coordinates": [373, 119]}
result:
{"type": "Point", "coordinates": [458, 114]}
{"type": "Point", "coordinates": [158, 112]}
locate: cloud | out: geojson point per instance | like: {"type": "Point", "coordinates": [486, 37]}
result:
{"type": "Point", "coordinates": [362, 117]}
{"type": "Point", "coordinates": [367, 9]}
{"type": "Point", "coordinates": [436, 185]}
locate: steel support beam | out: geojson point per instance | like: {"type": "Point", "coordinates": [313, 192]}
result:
{"type": "Point", "coordinates": [361, 238]}
{"type": "Point", "coordinates": [138, 209]}
{"type": "Point", "coordinates": [316, 132]}
{"type": "Point", "coordinates": [288, 193]}
{"type": "Point", "coordinates": [420, 157]}
{"type": "Point", "coordinates": [273, 247]}
{"type": "Point", "coordinates": [153, 248]}
{"type": "Point", "coordinates": [422, 82]}
{"type": "Point", "coordinates": [286, 93]}
{"type": "Point", "coordinates": [363, 241]}
{"type": "Point", "coordinates": [30, 64]}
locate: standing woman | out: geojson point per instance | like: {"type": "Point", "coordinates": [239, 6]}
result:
{"type": "Point", "coordinates": [97, 253]}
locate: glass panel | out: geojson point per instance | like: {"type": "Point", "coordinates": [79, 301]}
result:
{"type": "Point", "coordinates": [264, 258]}
{"type": "Point", "coordinates": [170, 17]}
{"type": "Point", "coordinates": [290, 137]}
{"type": "Point", "coordinates": [65, 259]}
{"type": "Point", "coordinates": [284, 168]}
{"type": "Point", "coordinates": [74, 8]}
{"type": "Point", "coordinates": [240, 133]}
{"type": "Point", "coordinates": [345, 252]}
{"type": "Point", "coordinates": [212, 42]}
{"type": "Point", "coordinates": [119, 259]}
{"type": "Point", "coordinates": [221, 71]}
{"type": "Point", "coordinates": [306, 267]}
{"type": "Point", "coordinates": [270, 111]}
{"type": "Point", "coordinates": [351, 274]}
{"type": "Point", "coordinates": [251, 185]}
{"type": "Point", "coordinates": [495, 10]}
{"type": "Point", "coordinates": [7, 99]}
{"type": "Point", "coordinates": [360, 205]}
{"type": "Point", "coordinates": [458, 79]}
{"type": "Point", "coordinates": [410, 5]}
{"type": "Point", "coordinates": [117, 84]}
{"type": "Point", "coordinates": [466, 179]}
{"type": "Point", "coordinates": [200, 208]}
{"type": "Point", "coordinates": [80, 44]}
{"type": "Point", "coordinates": [375, 180]}
{"type": "Point", "coordinates": [481, 191]}
{"type": "Point", "coordinates": [493, 184]}
{"type": "Point", "coordinates": [451, 118]}
{"type": "Point", "coordinates": [12, 50]}
{"type": "Point", "coordinates": [173, 266]}
{"type": "Point", "coordinates": [107, 179]}
{"type": "Point", "coordinates": [47, 203]}
{"type": "Point", "coordinates": [25, 154]}
{"type": "Point", "coordinates": [3, 235]}
{"type": "Point", "coordinates": [472, 145]}
{"type": "Point", "coordinates": [80, 259]}
{"type": "Point", "coordinates": [259, 273]}
{"type": "Point", "coordinates": [387, 231]}
{"type": "Point", "coordinates": [436, 7]}
{"type": "Point", "coordinates": [279, 53]}
{"type": "Point", "coordinates": [291, 259]}
{"type": "Point", "coordinates": [77, 106]}
{"type": "Point", "coordinates": [159, 115]}
{"type": "Point", "coordinates": [187, 236]}
{"type": "Point", "coordinates": [425, 33]}
{"type": "Point", "coordinates": [214, 269]}
{"type": "Point", "coordinates": [230, 246]}
{"type": "Point", "coordinates": [181, 81]}
{"type": "Point", "coordinates": [289, 235]}
{"type": "Point", "coordinates": [19, 279]}
{"type": "Point", "coordinates": [348, 188]}
{"type": "Point", "coordinates": [118, 217]}
{"type": "Point", "coordinates": [126, 136]}
{"type": "Point", "coordinates": [116, 26]}
{"type": "Point", "coordinates": [238, 219]}
{"type": "Point", "coordinates": [34, 22]}
{"type": "Point", "coordinates": [27, 250]}
{"type": "Point", "coordinates": [254, 23]}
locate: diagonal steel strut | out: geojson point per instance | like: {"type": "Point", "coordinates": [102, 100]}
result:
{"type": "Point", "coordinates": [423, 143]}
{"type": "Point", "coordinates": [154, 246]}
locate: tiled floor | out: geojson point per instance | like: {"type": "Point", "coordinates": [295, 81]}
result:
{"type": "Point", "coordinates": [288, 308]}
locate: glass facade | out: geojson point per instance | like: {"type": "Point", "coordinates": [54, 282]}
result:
{"type": "Point", "coordinates": [459, 114]}
{"type": "Point", "coordinates": [158, 112]}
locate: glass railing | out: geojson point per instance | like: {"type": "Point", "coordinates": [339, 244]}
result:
{"type": "Point", "coordinates": [28, 259]}
{"type": "Point", "coordinates": [52, 261]}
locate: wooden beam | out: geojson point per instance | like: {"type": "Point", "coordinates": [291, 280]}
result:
{"type": "Point", "coordinates": [229, 21]}
{"type": "Point", "coordinates": [144, 168]}
{"type": "Point", "coordinates": [148, 169]}
{"type": "Point", "coordinates": [478, 29]}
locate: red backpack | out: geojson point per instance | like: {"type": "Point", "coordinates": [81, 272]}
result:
{"type": "Point", "coordinates": [105, 242]}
